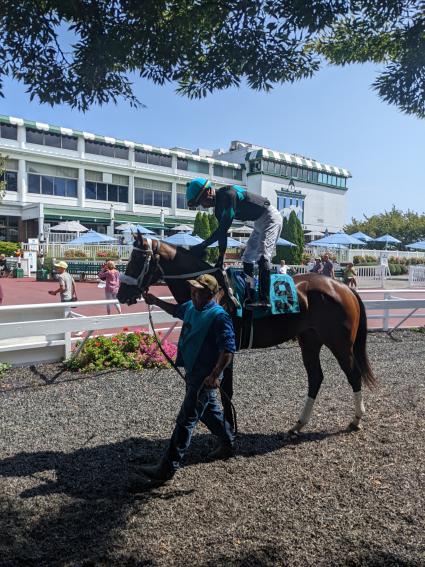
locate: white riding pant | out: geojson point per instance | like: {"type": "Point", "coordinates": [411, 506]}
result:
{"type": "Point", "coordinates": [262, 241]}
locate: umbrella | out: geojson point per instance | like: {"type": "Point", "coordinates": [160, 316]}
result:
{"type": "Point", "coordinates": [417, 245]}
{"type": "Point", "coordinates": [183, 228]}
{"type": "Point", "coordinates": [362, 236]}
{"type": "Point", "coordinates": [387, 239]}
{"type": "Point", "coordinates": [242, 229]}
{"type": "Point", "coordinates": [231, 243]}
{"type": "Point", "coordinates": [129, 227]}
{"type": "Point", "coordinates": [283, 242]}
{"type": "Point", "coordinates": [339, 238]}
{"type": "Point", "coordinates": [314, 233]}
{"type": "Point", "coordinates": [183, 239]}
{"type": "Point", "coordinates": [329, 245]}
{"type": "Point", "coordinates": [69, 226]}
{"type": "Point", "coordinates": [92, 237]}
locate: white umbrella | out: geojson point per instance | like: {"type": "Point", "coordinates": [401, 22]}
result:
{"type": "Point", "coordinates": [69, 226]}
{"type": "Point", "coordinates": [242, 229]}
{"type": "Point", "coordinates": [130, 227]}
{"type": "Point", "coordinates": [182, 228]}
{"type": "Point", "coordinates": [314, 233]}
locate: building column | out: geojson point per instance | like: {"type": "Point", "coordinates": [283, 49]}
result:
{"type": "Point", "coordinates": [41, 221]}
{"type": "Point", "coordinates": [22, 181]}
{"type": "Point", "coordinates": [81, 146]}
{"type": "Point", "coordinates": [174, 198]}
{"type": "Point", "coordinates": [22, 135]}
{"type": "Point", "coordinates": [130, 205]}
{"type": "Point", "coordinates": [81, 189]}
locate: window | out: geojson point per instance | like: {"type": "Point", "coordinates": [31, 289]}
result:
{"type": "Point", "coordinates": [52, 139]}
{"type": "Point", "coordinates": [11, 179]}
{"type": "Point", "coordinates": [198, 166]}
{"type": "Point", "coordinates": [152, 192]}
{"type": "Point", "coordinates": [104, 149]}
{"type": "Point", "coordinates": [153, 158]}
{"type": "Point", "coordinates": [106, 192]}
{"type": "Point", "coordinates": [9, 131]}
{"type": "Point", "coordinates": [291, 201]}
{"type": "Point", "coordinates": [228, 172]}
{"type": "Point", "coordinates": [48, 179]}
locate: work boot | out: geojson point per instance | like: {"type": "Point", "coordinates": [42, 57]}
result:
{"type": "Point", "coordinates": [157, 475]}
{"type": "Point", "coordinates": [221, 452]}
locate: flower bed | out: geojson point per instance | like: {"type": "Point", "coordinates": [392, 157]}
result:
{"type": "Point", "coordinates": [135, 351]}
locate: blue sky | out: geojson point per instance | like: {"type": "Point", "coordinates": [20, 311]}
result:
{"type": "Point", "coordinates": [335, 117]}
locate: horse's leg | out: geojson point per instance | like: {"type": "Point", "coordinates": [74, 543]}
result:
{"type": "Point", "coordinates": [226, 391]}
{"type": "Point", "coordinates": [310, 348]}
{"type": "Point", "coordinates": [345, 356]}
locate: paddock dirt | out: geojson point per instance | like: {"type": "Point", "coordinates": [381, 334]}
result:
{"type": "Point", "coordinates": [329, 498]}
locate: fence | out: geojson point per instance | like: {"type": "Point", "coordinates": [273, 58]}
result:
{"type": "Point", "coordinates": [416, 276]}
{"type": "Point", "coordinates": [406, 308]}
{"type": "Point", "coordinates": [61, 250]}
{"type": "Point", "coordinates": [43, 332]}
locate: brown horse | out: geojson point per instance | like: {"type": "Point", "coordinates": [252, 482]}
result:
{"type": "Point", "coordinates": [331, 314]}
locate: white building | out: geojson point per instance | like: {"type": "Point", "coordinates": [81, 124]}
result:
{"type": "Point", "coordinates": [56, 173]}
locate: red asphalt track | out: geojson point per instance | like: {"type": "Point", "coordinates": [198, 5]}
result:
{"type": "Point", "coordinates": [27, 291]}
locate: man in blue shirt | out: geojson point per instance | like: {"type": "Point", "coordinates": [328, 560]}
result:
{"type": "Point", "coordinates": [206, 347]}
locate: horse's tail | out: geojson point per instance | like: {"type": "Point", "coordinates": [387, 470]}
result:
{"type": "Point", "coordinates": [360, 354]}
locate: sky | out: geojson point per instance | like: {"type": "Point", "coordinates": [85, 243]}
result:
{"type": "Point", "coordinates": [335, 118]}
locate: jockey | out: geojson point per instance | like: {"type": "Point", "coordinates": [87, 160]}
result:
{"type": "Point", "coordinates": [235, 202]}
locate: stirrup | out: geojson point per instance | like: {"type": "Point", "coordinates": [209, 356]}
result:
{"type": "Point", "coordinates": [258, 304]}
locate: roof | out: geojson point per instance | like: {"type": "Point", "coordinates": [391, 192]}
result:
{"type": "Point", "coordinates": [109, 140]}
{"type": "Point", "coordinates": [296, 160]}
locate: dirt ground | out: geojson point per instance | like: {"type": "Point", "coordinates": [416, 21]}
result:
{"type": "Point", "coordinates": [330, 497]}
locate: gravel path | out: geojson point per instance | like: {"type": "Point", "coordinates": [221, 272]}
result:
{"type": "Point", "coordinates": [329, 498]}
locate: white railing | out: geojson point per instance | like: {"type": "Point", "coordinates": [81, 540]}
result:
{"type": "Point", "coordinates": [90, 251]}
{"type": "Point", "coordinates": [417, 276]}
{"type": "Point", "coordinates": [390, 305]}
{"type": "Point", "coordinates": [43, 332]}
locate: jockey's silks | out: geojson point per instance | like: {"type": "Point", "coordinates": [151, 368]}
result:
{"type": "Point", "coordinates": [196, 325]}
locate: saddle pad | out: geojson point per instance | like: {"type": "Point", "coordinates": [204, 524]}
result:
{"type": "Point", "coordinates": [283, 295]}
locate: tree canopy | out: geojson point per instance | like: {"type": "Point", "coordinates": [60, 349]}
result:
{"type": "Point", "coordinates": [82, 52]}
{"type": "Point", "coordinates": [406, 226]}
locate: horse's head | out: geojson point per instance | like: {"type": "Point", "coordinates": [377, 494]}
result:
{"type": "Point", "coordinates": [142, 270]}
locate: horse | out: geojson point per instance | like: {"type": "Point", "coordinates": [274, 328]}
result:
{"type": "Point", "coordinates": [331, 314]}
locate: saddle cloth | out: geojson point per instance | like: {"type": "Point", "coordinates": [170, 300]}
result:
{"type": "Point", "coordinates": [283, 294]}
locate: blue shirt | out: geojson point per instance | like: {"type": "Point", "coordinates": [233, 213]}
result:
{"type": "Point", "coordinates": [220, 337]}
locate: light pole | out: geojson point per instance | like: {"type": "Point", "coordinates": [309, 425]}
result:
{"type": "Point", "coordinates": [161, 220]}
{"type": "Point", "coordinates": [112, 217]}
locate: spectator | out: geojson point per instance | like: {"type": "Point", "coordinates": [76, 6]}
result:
{"type": "Point", "coordinates": [66, 287]}
{"type": "Point", "coordinates": [283, 268]}
{"type": "Point", "coordinates": [350, 276]}
{"type": "Point", "coordinates": [317, 267]}
{"type": "Point", "coordinates": [4, 268]}
{"type": "Point", "coordinates": [111, 276]}
{"type": "Point", "coordinates": [328, 267]}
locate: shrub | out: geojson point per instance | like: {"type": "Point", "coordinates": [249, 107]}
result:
{"type": "Point", "coordinates": [134, 351]}
{"type": "Point", "coordinates": [391, 267]}
{"type": "Point", "coordinates": [9, 248]}
{"type": "Point", "coordinates": [73, 254]}
{"type": "Point", "coordinates": [107, 255]}
{"type": "Point", "coordinates": [358, 260]}
{"type": "Point", "coordinates": [3, 367]}
{"type": "Point", "coordinates": [371, 259]}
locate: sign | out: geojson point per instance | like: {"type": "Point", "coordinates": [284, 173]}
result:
{"type": "Point", "coordinates": [33, 244]}
{"type": "Point", "coordinates": [384, 259]}
{"type": "Point", "coordinates": [31, 257]}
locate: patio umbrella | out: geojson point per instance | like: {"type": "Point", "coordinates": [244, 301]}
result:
{"type": "Point", "coordinates": [362, 236]}
{"type": "Point", "coordinates": [417, 245]}
{"type": "Point", "coordinates": [92, 237]}
{"type": "Point", "coordinates": [130, 227]}
{"type": "Point", "coordinates": [314, 233]}
{"type": "Point", "coordinates": [283, 242]}
{"type": "Point", "coordinates": [183, 228]}
{"type": "Point", "coordinates": [339, 238]}
{"type": "Point", "coordinates": [387, 239]}
{"type": "Point", "coordinates": [183, 239]}
{"type": "Point", "coordinates": [69, 226]}
{"type": "Point", "coordinates": [231, 243]}
{"type": "Point", "coordinates": [242, 229]}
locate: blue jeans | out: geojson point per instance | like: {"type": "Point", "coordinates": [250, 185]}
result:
{"type": "Point", "coordinates": [199, 404]}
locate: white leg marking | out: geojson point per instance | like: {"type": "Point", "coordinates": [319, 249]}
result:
{"type": "Point", "coordinates": [359, 409]}
{"type": "Point", "coordinates": [305, 415]}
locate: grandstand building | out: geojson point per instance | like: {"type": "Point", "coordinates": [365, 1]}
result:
{"type": "Point", "coordinates": [56, 173]}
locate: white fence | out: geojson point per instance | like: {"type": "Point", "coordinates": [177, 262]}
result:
{"type": "Point", "coordinates": [43, 332]}
{"type": "Point", "coordinates": [416, 276]}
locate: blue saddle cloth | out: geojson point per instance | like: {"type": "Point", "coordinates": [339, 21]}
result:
{"type": "Point", "coordinates": [283, 294]}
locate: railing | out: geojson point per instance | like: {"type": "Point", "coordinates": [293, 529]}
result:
{"type": "Point", "coordinates": [61, 250]}
{"type": "Point", "coordinates": [43, 332]}
{"type": "Point", "coordinates": [417, 276]}
{"type": "Point", "coordinates": [412, 307]}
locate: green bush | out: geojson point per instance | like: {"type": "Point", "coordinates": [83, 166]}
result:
{"type": "Point", "coordinates": [371, 259]}
{"type": "Point", "coordinates": [358, 260]}
{"type": "Point", "coordinates": [134, 351]}
{"type": "Point", "coordinates": [3, 367]}
{"type": "Point", "coordinates": [73, 254]}
{"type": "Point", "coordinates": [392, 269]}
{"type": "Point", "coordinates": [9, 248]}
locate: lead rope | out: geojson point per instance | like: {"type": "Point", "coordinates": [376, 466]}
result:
{"type": "Point", "coordinates": [177, 369]}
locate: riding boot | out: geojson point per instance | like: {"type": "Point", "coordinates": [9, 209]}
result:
{"type": "Point", "coordinates": [263, 285]}
{"type": "Point", "coordinates": [248, 269]}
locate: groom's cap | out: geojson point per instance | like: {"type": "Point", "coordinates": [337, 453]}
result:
{"type": "Point", "coordinates": [206, 281]}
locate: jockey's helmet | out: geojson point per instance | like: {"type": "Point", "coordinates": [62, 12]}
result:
{"type": "Point", "coordinates": [195, 189]}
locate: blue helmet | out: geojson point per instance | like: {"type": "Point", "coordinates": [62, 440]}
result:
{"type": "Point", "coordinates": [195, 190]}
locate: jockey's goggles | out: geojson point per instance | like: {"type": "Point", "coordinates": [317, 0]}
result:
{"type": "Point", "coordinates": [195, 189]}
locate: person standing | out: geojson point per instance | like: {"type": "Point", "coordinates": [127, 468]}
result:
{"type": "Point", "coordinates": [66, 287]}
{"type": "Point", "coordinates": [283, 268]}
{"type": "Point", "coordinates": [317, 267]}
{"type": "Point", "coordinates": [111, 276]}
{"type": "Point", "coordinates": [206, 347]}
{"type": "Point", "coordinates": [328, 267]}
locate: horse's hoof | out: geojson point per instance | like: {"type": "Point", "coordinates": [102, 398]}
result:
{"type": "Point", "coordinates": [354, 427]}
{"type": "Point", "coordinates": [294, 432]}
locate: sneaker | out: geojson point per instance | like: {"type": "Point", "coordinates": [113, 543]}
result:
{"type": "Point", "coordinates": [221, 452]}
